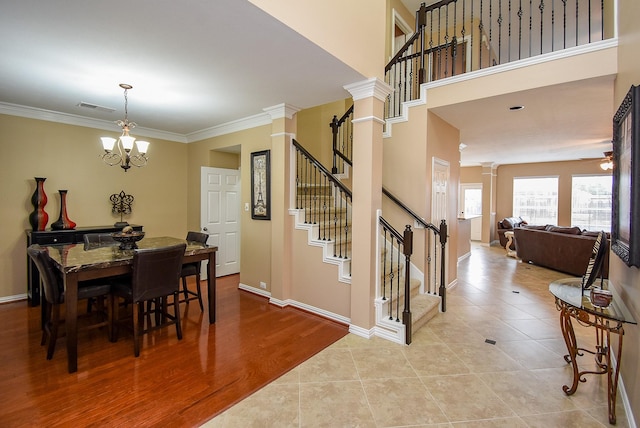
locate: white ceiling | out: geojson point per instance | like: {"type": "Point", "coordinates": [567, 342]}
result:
{"type": "Point", "coordinates": [199, 64]}
{"type": "Point", "coordinates": [193, 65]}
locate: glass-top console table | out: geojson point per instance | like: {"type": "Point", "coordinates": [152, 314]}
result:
{"type": "Point", "coordinates": [574, 303]}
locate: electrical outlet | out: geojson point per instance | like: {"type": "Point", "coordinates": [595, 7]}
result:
{"type": "Point", "coordinates": [263, 285]}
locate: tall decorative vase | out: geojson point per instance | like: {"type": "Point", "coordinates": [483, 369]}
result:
{"type": "Point", "coordinates": [39, 218]}
{"type": "Point", "coordinates": [63, 221]}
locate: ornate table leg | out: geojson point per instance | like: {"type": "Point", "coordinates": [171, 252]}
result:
{"type": "Point", "coordinates": [572, 346]}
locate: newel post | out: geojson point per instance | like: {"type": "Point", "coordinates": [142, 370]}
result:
{"type": "Point", "coordinates": [443, 243]}
{"type": "Point", "coordinates": [407, 247]}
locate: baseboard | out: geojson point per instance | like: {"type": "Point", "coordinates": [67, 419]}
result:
{"type": "Point", "coordinates": [464, 256]}
{"type": "Point", "coordinates": [16, 298]}
{"type": "Point", "coordinates": [299, 305]}
{"type": "Point", "coordinates": [254, 290]}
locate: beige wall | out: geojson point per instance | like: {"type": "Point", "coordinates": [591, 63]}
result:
{"type": "Point", "coordinates": [357, 35]}
{"type": "Point", "coordinates": [314, 132]}
{"type": "Point", "coordinates": [68, 156]}
{"type": "Point", "coordinates": [407, 169]}
{"type": "Point", "coordinates": [255, 234]}
{"type": "Point", "coordinates": [471, 174]}
{"type": "Point", "coordinates": [563, 170]}
{"type": "Point", "coordinates": [444, 140]}
{"type": "Point", "coordinates": [627, 279]}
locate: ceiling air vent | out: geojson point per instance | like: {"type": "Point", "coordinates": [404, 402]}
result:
{"type": "Point", "coordinates": [96, 107]}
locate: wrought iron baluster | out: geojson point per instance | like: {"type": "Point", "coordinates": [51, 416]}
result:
{"type": "Point", "coordinates": [509, 33]}
{"type": "Point", "coordinates": [398, 243]}
{"type": "Point", "coordinates": [384, 263]}
{"type": "Point", "coordinates": [391, 278]}
{"type": "Point", "coordinates": [564, 24]}
{"type": "Point", "coordinates": [541, 7]}
{"type": "Point", "coordinates": [553, 27]}
{"type": "Point", "coordinates": [577, 15]}
{"type": "Point", "coordinates": [520, 30]}
{"type": "Point", "coordinates": [499, 31]}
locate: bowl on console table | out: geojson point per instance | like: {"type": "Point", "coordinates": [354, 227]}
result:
{"type": "Point", "coordinates": [128, 240]}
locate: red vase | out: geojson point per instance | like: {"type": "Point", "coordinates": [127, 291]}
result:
{"type": "Point", "coordinates": [63, 221]}
{"type": "Point", "coordinates": [39, 218]}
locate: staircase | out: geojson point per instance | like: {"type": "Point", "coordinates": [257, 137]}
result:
{"type": "Point", "coordinates": [391, 298]}
{"type": "Point", "coordinates": [323, 209]}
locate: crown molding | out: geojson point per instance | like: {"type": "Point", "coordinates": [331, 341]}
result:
{"type": "Point", "coordinates": [254, 121]}
{"type": "Point", "coordinates": [72, 119]}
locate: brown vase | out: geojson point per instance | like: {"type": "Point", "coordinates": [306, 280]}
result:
{"type": "Point", "coordinates": [63, 221]}
{"type": "Point", "coordinates": [39, 218]}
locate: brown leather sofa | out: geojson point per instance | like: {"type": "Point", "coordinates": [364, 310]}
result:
{"type": "Point", "coordinates": [506, 224]}
{"type": "Point", "coordinates": [565, 249]}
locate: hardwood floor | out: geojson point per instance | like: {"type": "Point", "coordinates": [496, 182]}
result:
{"type": "Point", "coordinates": [172, 383]}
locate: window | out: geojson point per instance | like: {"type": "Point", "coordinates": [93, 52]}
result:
{"type": "Point", "coordinates": [591, 202]}
{"type": "Point", "coordinates": [535, 199]}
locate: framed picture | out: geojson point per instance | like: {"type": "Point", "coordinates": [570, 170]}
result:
{"type": "Point", "coordinates": [625, 236]}
{"type": "Point", "coordinates": [260, 186]}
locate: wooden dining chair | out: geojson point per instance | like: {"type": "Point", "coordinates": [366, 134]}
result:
{"type": "Point", "coordinates": [193, 269]}
{"type": "Point", "coordinates": [53, 288]}
{"type": "Point", "coordinates": [156, 275]}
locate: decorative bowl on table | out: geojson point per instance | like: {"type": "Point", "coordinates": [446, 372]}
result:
{"type": "Point", "coordinates": [128, 240]}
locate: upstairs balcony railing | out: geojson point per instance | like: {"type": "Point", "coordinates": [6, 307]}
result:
{"type": "Point", "coordinates": [459, 36]}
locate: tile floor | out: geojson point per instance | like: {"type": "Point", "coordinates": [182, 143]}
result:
{"type": "Point", "coordinates": [449, 376]}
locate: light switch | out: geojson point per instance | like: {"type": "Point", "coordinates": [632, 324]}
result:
{"type": "Point", "coordinates": [246, 206]}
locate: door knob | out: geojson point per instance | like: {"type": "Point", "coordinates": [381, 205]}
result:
{"type": "Point", "coordinates": [205, 229]}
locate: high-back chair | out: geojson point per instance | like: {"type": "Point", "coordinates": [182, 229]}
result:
{"type": "Point", "coordinates": [53, 291]}
{"type": "Point", "coordinates": [97, 240]}
{"type": "Point", "coordinates": [193, 269]}
{"type": "Point", "coordinates": [156, 275]}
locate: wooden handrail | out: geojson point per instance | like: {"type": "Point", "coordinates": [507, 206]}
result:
{"type": "Point", "coordinates": [322, 168]}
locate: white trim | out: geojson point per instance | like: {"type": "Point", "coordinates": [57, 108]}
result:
{"type": "Point", "coordinates": [372, 87]}
{"type": "Point", "coordinates": [308, 308]}
{"type": "Point", "coordinates": [362, 332]}
{"type": "Point", "coordinates": [369, 119]}
{"type": "Point", "coordinates": [230, 127]}
{"type": "Point", "coordinates": [398, 21]}
{"type": "Point", "coordinates": [254, 290]}
{"type": "Point", "coordinates": [464, 256]}
{"type": "Point", "coordinates": [249, 122]}
{"type": "Point", "coordinates": [527, 62]}
{"type": "Point", "coordinates": [281, 110]}
{"type": "Point", "coordinates": [14, 298]}
{"type": "Point", "coordinates": [72, 119]}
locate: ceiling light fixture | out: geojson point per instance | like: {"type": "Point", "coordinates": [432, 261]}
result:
{"type": "Point", "coordinates": [607, 162]}
{"type": "Point", "coordinates": [125, 151]}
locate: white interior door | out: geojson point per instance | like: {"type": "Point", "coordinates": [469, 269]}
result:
{"type": "Point", "coordinates": [439, 206]}
{"type": "Point", "coordinates": [220, 216]}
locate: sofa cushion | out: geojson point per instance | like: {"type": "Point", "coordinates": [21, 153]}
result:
{"type": "Point", "coordinates": [534, 226]}
{"type": "Point", "coordinates": [568, 230]}
{"type": "Point", "coordinates": [594, 234]}
{"type": "Point", "coordinates": [511, 222]}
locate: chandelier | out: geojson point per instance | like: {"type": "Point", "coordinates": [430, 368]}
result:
{"type": "Point", "coordinates": [125, 151]}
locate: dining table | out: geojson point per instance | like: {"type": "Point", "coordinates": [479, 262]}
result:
{"type": "Point", "coordinates": [77, 264]}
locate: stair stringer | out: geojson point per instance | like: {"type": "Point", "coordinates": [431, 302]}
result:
{"type": "Point", "coordinates": [404, 117]}
{"type": "Point", "coordinates": [344, 264]}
